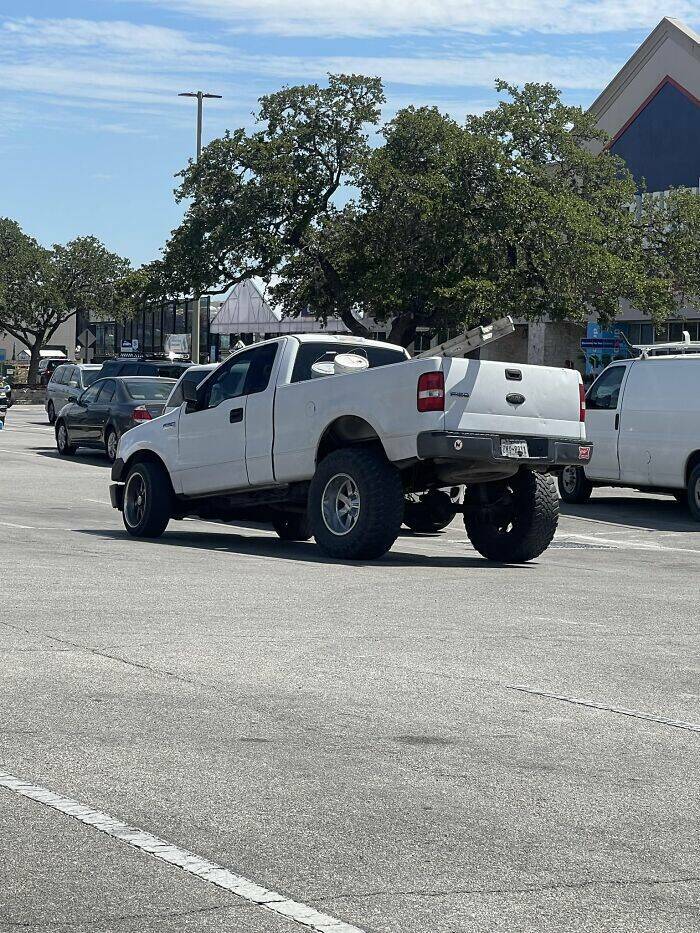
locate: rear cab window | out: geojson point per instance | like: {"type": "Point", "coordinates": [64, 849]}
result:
{"type": "Point", "coordinates": [310, 353]}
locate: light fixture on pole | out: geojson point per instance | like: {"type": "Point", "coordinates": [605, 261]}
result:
{"type": "Point", "coordinates": [200, 95]}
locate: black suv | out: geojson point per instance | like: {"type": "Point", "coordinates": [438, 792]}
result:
{"type": "Point", "coordinates": [166, 369]}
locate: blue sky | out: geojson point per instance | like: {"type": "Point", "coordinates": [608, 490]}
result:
{"type": "Point", "coordinates": [92, 131]}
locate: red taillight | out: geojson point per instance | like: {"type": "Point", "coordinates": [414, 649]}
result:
{"type": "Point", "coordinates": [141, 414]}
{"type": "Point", "coordinates": [431, 392]}
{"type": "Point", "coordinates": [582, 399]}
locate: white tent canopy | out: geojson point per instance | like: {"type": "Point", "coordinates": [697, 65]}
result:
{"type": "Point", "coordinates": [245, 311]}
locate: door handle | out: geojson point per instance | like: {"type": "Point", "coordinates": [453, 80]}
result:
{"type": "Point", "coordinates": [617, 421]}
{"type": "Point", "coordinates": [235, 415]}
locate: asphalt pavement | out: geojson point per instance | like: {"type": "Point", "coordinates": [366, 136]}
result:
{"type": "Point", "coordinates": [424, 744]}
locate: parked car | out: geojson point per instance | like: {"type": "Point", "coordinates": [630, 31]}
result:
{"type": "Point", "coordinates": [194, 375]}
{"type": "Point", "coordinates": [47, 365]}
{"type": "Point", "coordinates": [67, 382]}
{"type": "Point", "coordinates": [107, 409]}
{"type": "Point", "coordinates": [6, 392]}
{"type": "Point", "coordinates": [168, 369]}
{"type": "Point", "coordinates": [324, 436]}
{"type": "Point", "coordinates": [643, 416]}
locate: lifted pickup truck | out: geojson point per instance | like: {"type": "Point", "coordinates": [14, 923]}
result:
{"type": "Point", "coordinates": [268, 436]}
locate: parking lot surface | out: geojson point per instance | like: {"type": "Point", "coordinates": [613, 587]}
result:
{"type": "Point", "coordinates": [424, 744]}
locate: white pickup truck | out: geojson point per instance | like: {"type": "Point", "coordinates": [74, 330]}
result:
{"type": "Point", "coordinates": [275, 434]}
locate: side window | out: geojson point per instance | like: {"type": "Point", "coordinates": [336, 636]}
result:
{"type": "Point", "coordinates": [177, 398]}
{"type": "Point", "coordinates": [246, 373]}
{"type": "Point", "coordinates": [89, 395]}
{"type": "Point", "coordinates": [59, 375]}
{"type": "Point", "coordinates": [71, 377]}
{"type": "Point", "coordinates": [107, 392]}
{"type": "Point", "coordinates": [605, 391]}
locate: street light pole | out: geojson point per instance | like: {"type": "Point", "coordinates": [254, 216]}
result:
{"type": "Point", "coordinates": [200, 95]}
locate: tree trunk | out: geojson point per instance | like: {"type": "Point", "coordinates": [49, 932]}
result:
{"type": "Point", "coordinates": [403, 330]}
{"type": "Point", "coordinates": [32, 376]}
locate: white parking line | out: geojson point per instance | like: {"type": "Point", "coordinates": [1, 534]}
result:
{"type": "Point", "coordinates": [193, 864]}
{"type": "Point", "coordinates": [14, 525]}
{"type": "Point", "coordinates": [636, 714]}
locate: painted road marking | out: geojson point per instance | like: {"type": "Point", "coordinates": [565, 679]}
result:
{"type": "Point", "coordinates": [636, 714]}
{"type": "Point", "coordinates": [193, 864]}
{"type": "Point", "coordinates": [633, 545]}
{"type": "Point", "coordinates": [14, 525]}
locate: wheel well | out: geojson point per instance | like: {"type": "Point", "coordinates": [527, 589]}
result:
{"type": "Point", "coordinates": [147, 456]}
{"type": "Point", "coordinates": [693, 461]}
{"type": "Point", "coordinates": [349, 430]}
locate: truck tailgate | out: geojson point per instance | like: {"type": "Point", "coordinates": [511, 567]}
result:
{"type": "Point", "coordinates": [511, 398]}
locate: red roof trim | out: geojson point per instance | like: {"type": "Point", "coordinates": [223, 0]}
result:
{"type": "Point", "coordinates": [667, 80]}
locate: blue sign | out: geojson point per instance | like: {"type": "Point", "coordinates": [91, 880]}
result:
{"type": "Point", "coordinates": [3, 356]}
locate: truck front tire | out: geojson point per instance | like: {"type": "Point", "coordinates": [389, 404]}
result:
{"type": "Point", "coordinates": [573, 485]}
{"type": "Point", "coordinates": [356, 504]}
{"type": "Point", "coordinates": [147, 501]}
{"type": "Point", "coordinates": [514, 521]}
{"type": "Point", "coordinates": [292, 526]}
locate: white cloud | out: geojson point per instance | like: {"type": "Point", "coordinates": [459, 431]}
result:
{"type": "Point", "coordinates": [414, 17]}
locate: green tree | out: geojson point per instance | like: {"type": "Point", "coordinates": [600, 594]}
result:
{"type": "Point", "coordinates": [42, 288]}
{"type": "Point", "coordinates": [511, 213]}
{"type": "Point", "coordinates": [253, 197]}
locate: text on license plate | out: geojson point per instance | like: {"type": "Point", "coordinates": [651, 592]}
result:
{"type": "Point", "coordinates": [515, 449]}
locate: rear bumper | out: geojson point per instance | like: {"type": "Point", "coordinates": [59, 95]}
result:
{"type": "Point", "coordinates": [463, 447]}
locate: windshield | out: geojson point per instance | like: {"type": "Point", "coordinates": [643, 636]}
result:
{"type": "Point", "coordinates": [90, 376]}
{"type": "Point", "coordinates": [310, 353]}
{"type": "Point", "coordinates": [149, 390]}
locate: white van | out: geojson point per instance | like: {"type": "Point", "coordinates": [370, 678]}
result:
{"type": "Point", "coordinates": [643, 417]}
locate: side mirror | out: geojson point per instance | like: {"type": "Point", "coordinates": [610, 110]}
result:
{"type": "Point", "coordinates": [189, 391]}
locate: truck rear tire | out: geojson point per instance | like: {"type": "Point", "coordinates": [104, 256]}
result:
{"type": "Point", "coordinates": [514, 521]}
{"type": "Point", "coordinates": [147, 501]}
{"type": "Point", "coordinates": [293, 526]}
{"type": "Point", "coordinates": [573, 485]}
{"type": "Point", "coordinates": [356, 504]}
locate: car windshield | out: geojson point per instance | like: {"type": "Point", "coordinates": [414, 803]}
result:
{"type": "Point", "coordinates": [149, 390]}
{"type": "Point", "coordinates": [90, 376]}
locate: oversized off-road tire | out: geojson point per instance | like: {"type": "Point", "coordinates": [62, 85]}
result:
{"type": "Point", "coordinates": [51, 413]}
{"type": "Point", "coordinates": [694, 493]}
{"type": "Point", "coordinates": [355, 504]}
{"type": "Point", "coordinates": [111, 444]}
{"type": "Point", "coordinates": [513, 521]}
{"type": "Point", "coordinates": [429, 513]}
{"type": "Point", "coordinates": [63, 444]}
{"type": "Point", "coordinates": [292, 526]}
{"type": "Point", "coordinates": [147, 500]}
{"type": "Point", "coordinates": [573, 485]}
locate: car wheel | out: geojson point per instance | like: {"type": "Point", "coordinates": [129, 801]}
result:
{"type": "Point", "coordinates": [111, 444]}
{"type": "Point", "coordinates": [51, 413]}
{"type": "Point", "coordinates": [694, 493]}
{"type": "Point", "coordinates": [147, 501]}
{"type": "Point", "coordinates": [293, 526]}
{"type": "Point", "coordinates": [512, 521]}
{"type": "Point", "coordinates": [63, 444]}
{"type": "Point", "coordinates": [573, 485]}
{"type": "Point", "coordinates": [355, 504]}
{"type": "Point", "coordinates": [429, 513]}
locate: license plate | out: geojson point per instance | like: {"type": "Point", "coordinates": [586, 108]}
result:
{"type": "Point", "coordinates": [514, 449]}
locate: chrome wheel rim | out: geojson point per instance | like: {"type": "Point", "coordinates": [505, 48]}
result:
{"type": "Point", "coordinates": [134, 500]}
{"type": "Point", "coordinates": [62, 437]}
{"type": "Point", "coordinates": [569, 478]}
{"type": "Point", "coordinates": [340, 505]}
{"type": "Point", "coordinates": [112, 445]}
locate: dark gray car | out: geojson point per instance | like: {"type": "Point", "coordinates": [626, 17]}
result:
{"type": "Point", "coordinates": [107, 409]}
